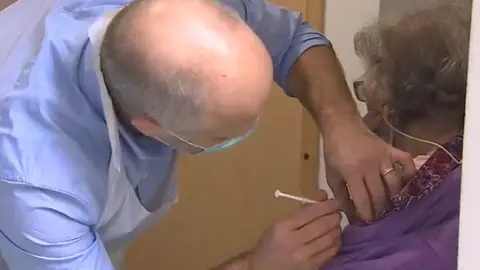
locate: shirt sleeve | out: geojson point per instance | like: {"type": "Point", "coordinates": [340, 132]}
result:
{"type": "Point", "coordinates": [44, 229]}
{"type": "Point", "coordinates": [285, 35]}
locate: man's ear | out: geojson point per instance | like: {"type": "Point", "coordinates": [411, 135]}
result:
{"type": "Point", "coordinates": [145, 125]}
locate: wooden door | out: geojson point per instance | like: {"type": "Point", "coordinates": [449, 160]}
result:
{"type": "Point", "coordinates": [226, 199]}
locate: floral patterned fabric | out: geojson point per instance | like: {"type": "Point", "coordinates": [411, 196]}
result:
{"type": "Point", "coordinates": [427, 178]}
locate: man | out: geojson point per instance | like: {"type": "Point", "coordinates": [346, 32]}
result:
{"type": "Point", "coordinates": [92, 123]}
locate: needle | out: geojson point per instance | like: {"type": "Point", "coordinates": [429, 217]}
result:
{"type": "Point", "coordinates": [279, 194]}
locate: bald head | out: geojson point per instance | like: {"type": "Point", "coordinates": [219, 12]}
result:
{"type": "Point", "coordinates": [189, 65]}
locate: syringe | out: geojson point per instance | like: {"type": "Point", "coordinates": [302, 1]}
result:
{"type": "Point", "coordinates": [279, 194]}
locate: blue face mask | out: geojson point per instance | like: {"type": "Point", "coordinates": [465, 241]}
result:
{"type": "Point", "coordinates": [193, 149]}
{"type": "Point", "coordinates": [226, 144]}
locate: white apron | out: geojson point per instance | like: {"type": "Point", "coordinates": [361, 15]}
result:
{"type": "Point", "coordinates": [124, 217]}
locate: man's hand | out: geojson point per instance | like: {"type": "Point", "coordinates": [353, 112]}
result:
{"type": "Point", "coordinates": [351, 149]}
{"type": "Point", "coordinates": [307, 240]}
{"type": "Point", "coordinates": [365, 163]}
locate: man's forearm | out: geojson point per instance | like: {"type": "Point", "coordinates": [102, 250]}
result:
{"type": "Point", "coordinates": [318, 81]}
{"type": "Point", "coordinates": [239, 262]}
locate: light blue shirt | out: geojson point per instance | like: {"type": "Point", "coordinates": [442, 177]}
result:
{"type": "Point", "coordinates": [54, 144]}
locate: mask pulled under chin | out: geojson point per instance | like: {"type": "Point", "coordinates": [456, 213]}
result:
{"type": "Point", "coordinates": [420, 160]}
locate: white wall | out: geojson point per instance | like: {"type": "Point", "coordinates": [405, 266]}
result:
{"type": "Point", "coordinates": [468, 258]}
{"type": "Point", "coordinates": [395, 8]}
{"type": "Point", "coordinates": [343, 19]}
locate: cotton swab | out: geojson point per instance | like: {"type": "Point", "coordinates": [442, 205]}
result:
{"type": "Point", "coordinates": [279, 194]}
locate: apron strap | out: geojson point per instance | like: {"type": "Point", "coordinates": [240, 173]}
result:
{"type": "Point", "coordinates": [160, 196]}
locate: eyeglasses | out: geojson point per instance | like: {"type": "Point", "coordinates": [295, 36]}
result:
{"type": "Point", "coordinates": [358, 89]}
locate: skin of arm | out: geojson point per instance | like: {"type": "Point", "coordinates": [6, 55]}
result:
{"type": "Point", "coordinates": [296, 71]}
{"type": "Point", "coordinates": [324, 94]}
{"type": "Point", "coordinates": [306, 67]}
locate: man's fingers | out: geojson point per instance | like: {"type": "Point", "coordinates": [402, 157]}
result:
{"type": "Point", "coordinates": [337, 185]}
{"type": "Point", "coordinates": [349, 210]}
{"type": "Point", "coordinates": [391, 178]}
{"type": "Point", "coordinates": [318, 228]}
{"type": "Point", "coordinates": [405, 160]}
{"type": "Point", "coordinates": [321, 243]}
{"type": "Point", "coordinates": [360, 198]}
{"type": "Point", "coordinates": [314, 211]}
{"type": "Point", "coordinates": [325, 256]}
{"type": "Point", "coordinates": [343, 196]}
{"type": "Point", "coordinates": [340, 191]}
{"type": "Point", "coordinates": [376, 190]}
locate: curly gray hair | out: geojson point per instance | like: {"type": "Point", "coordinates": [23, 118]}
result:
{"type": "Point", "coordinates": [418, 65]}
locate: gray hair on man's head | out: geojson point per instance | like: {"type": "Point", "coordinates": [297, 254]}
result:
{"type": "Point", "coordinates": [419, 63]}
{"type": "Point", "coordinates": [171, 94]}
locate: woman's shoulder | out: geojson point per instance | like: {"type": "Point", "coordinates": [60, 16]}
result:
{"type": "Point", "coordinates": [432, 249]}
{"type": "Point", "coordinates": [423, 235]}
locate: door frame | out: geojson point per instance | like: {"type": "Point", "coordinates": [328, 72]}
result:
{"type": "Point", "coordinates": [310, 168]}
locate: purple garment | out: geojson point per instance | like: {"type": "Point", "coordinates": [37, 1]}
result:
{"type": "Point", "coordinates": [423, 236]}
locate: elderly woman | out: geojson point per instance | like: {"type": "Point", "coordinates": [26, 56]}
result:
{"type": "Point", "coordinates": [414, 87]}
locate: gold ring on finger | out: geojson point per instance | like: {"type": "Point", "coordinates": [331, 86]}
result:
{"type": "Point", "coordinates": [388, 171]}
